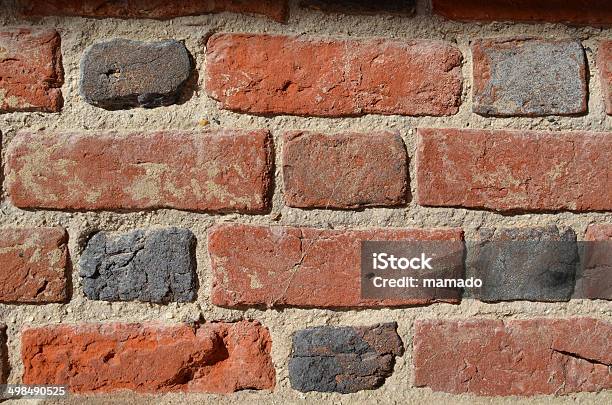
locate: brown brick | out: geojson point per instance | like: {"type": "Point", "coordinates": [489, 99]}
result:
{"type": "Point", "coordinates": [221, 170]}
{"type": "Point", "coordinates": [514, 170]}
{"type": "Point", "coordinates": [574, 12]}
{"type": "Point", "coordinates": [153, 358]}
{"type": "Point", "coordinates": [300, 267]}
{"type": "Point", "coordinates": [604, 64]}
{"type": "Point", "coordinates": [157, 9]}
{"type": "Point", "coordinates": [348, 170]}
{"type": "Point", "coordinates": [395, 7]}
{"type": "Point", "coordinates": [516, 357]}
{"type": "Point", "coordinates": [267, 75]}
{"type": "Point", "coordinates": [31, 72]}
{"type": "Point", "coordinates": [595, 278]}
{"type": "Point", "coordinates": [33, 265]}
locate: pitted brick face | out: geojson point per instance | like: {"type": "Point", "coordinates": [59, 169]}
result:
{"type": "Point", "coordinates": [343, 359]}
{"type": "Point", "coordinates": [121, 73]}
{"type": "Point", "coordinates": [151, 266]}
{"type": "Point", "coordinates": [31, 73]}
{"type": "Point", "coordinates": [604, 65]}
{"type": "Point", "coordinates": [4, 367]}
{"type": "Point", "coordinates": [529, 77]}
{"type": "Point", "coordinates": [532, 263]}
{"type": "Point", "coordinates": [395, 7]}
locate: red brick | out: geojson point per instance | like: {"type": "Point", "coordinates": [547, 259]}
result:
{"type": "Point", "coordinates": [157, 9]}
{"type": "Point", "coordinates": [604, 64]}
{"type": "Point", "coordinates": [595, 279]}
{"type": "Point", "coordinates": [516, 357]}
{"type": "Point", "coordinates": [514, 170]}
{"type": "Point", "coordinates": [574, 12]}
{"type": "Point", "coordinates": [265, 74]}
{"type": "Point", "coordinates": [31, 72]}
{"type": "Point", "coordinates": [33, 265]}
{"type": "Point", "coordinates": [220, 170]}
{"type": "Point", "coordinates": [348, 170]}
{"type": "Point", "coordinates": [213, 357]}
{"type": "Point", "coordinates": [302, 267]}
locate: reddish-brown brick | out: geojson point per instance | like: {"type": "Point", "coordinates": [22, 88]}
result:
{"type": "Point", "coordinates": [575, 12]}
{"type": "Point", "coordinates": [604, 64]}
{"type": "Point", "coordinates": [220, 170]}
{"type": "Point", "coordinates": [348, 170]}
{"type": "Point", "coordinates": [595, 277]}
{"type": "Point", "coordinates": [303, 267]}
{"type": "Point", "coordinates": [514, 170]}
{"type": "Point", "coordinates": [516, 357]}
{"type": "Point", "coordinates": [31, 71]}
{"type": "Point", "coordinates": [33, 265]}
{"type": "Point", "coordinates": [157, 9]}
{"type": "Point", "coordinates": [265, 74]}
{"type": "Point", "coordinates": [213, 357]}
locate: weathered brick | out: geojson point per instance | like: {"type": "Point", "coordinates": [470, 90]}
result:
{"type": "Point", "coordinates": [529, 77]}
{"type": "Point", "coordinates": [343, 359]}
{"type": "Point", "coordinates": [575, 12]}
{"type": "Point", "coordinates": [121, 73]}
{"type": "Point", "coordinates": [212, 357]}
{"type": "Point", "coordinates": [33, 265]}
{"type": "Point", "coordinates": [595, 278]}
{"type": "Point", "coordinates": [397, 7]}
{"type": "Point", "coordinates": [300, 267]}
{"type": "Point", "coordinates": [145, 265]}
{"type": "Point", "coordinates": [156, 9]}
{"type": "Point", "coordinates": [604, 64]}
{"type": "Point", "coordinates": [516, 357]}
{"type": "Point", "coordinates": [347, 170]}
{"type": "Point", "coordinates": [222, 170]}
{"type": "Point", "coordinates": [533, 263]}
{"type": "Point", "coordinates": [30, 70]}
{"type": "Point", "coordinates": [514, 170]}
{"type": "Point", "coordinates": [266, 74]}
{"type": "Point", "coordinates": [4, 367]}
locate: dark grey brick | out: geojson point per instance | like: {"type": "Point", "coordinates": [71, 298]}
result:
{"type": "Point", "coordinates": [529, 77]}
{"type": "Point", "coordinates": [343, 359]}
{"type": "Point", "coordinates": [4, 369]}
{"type": "Point", "coordinates": [536, 264]}
{"type": "Point", "coordinates": [150, 266]}
{"type": "Point", "coordinates": [121, 73]}
{"type": "Point", "coordinates": [398, 7]}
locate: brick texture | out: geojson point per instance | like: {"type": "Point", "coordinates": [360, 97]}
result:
{"type": "Point", "coordinates": [396, 7]}
{"type": "Point", "coordinates": [157, 9]}
{"type": "Point", "coordinates": [514, 170]}
{"type": "Point", "coordinates": [575, 12]}
{"type": "Point", "coordinates": [343, 359]}
{"type": "Point", "coordinates": [267, 75]}
{"type": "Point", "coordinates": [604, 64]}
{"type": "Point", "coordinates": [31, 72]}
{"type": "Point", "coordinates": [213, 357]}
{"type": "Point", "coordinates": [348, 170]}
{"type": "Point", "coordinates": [301, 267]}
{"type": "Point", "coordinates": [157, 265]}
{"type": "Point", "coordinates": [219, 170]}
{"type": "Point", "coordinates": [516, 357]}
{"type": "Point", "coordinates": [529, 77]}
{"type": "Point", "coordinates": [33, 265]}
{"type": "Point", "coordinates": [595, 279]}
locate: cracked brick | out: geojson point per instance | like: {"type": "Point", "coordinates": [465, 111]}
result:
{"type": "Point", "coordinates": [144, 265]}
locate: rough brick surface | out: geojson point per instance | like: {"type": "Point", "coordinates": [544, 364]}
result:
{"type": "Point", "coordinates": [33, 264]}
{"type": "Point", "coordinates": [604, 64]}
{"type": "Point", "coordinates": [213, 357]}
{"type": "Point", "coordinates": [4, 368]}
{"type": "Point", "coordinates": [514, 170]}
{"type": "Point", "coordinates": [219, 170]}
{"type": "Point", "coordinates": [302, 267]}
{"type": "Point", "coordinates": [31, 72]}
{"type": "Point", "coordinates": [578, 12]}
{"type": "Point", "coordinates": [595, 278]}
{"type": "Point", "coordinates": [348, 170]}
{"type": "Point", "coordinates": [122, 73]}
{"type": "Point", "coordinates": [529, 77]}
{"type": "Point", "coordinates": [517, 357]}
{"type": "Point", "coordinates": [343, 359]}
{"type": "Point", "coordinates": [265, 74]}
{"type": "Point", "coordinates": [157, 9]}
{"type": "Point", "coordinates": [537, 264]}
{"type": "Point", "coordinates": [154, 266]}
{"type": "Point", "coordinates": [397, 7]}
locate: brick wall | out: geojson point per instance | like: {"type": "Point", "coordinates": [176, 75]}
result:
{"type": "Point", "coordinates": [186, 186]}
